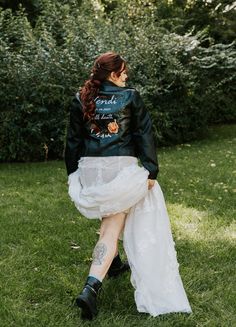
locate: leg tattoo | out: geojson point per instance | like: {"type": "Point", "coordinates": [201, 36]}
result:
{"type": "Point", "coordinates": [98, 254]}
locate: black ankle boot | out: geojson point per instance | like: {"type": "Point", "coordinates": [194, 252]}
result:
{"type": "Point", "coordinates": [87, 300]}
{"type": "Point", "coordinates": [117, 267]}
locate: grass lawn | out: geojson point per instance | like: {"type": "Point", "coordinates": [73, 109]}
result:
{"type": "Point", "coordinates": [46, 245]}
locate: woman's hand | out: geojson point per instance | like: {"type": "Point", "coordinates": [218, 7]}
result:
{"type": "Point", "coordinates": [151, 183]}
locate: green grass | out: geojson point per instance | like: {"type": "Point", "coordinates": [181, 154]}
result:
{"type": "Point", "coordinates": [40, 272]}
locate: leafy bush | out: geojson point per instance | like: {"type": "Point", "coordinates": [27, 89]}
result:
{"type": "Point", "coordinates": [38, 78]}
{"type": "Point", "coordinates": [185, 85]}
{"type": "Point", "coordinates": [183, 82]}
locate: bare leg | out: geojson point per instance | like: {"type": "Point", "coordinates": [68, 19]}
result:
{"type": "Point", "coordinates": [107, 245]}
{"type": "Point", "coordinates": [103, 255]}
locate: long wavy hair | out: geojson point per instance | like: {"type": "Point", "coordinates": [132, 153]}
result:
{"type": "Point", "coordinates": [103, 66]}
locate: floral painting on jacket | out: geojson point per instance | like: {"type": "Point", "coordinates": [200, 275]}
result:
{"type": "Point", "coordinates": [104, 125]}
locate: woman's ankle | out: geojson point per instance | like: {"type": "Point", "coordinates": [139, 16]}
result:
{"type": "Point", "coordinates": [99, 278]}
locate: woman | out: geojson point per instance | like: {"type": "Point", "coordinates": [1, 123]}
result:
{"type": "Point", "coordinates": [109, 130]}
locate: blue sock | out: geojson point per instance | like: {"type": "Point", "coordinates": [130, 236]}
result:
{"type": "Point", "coordinates": [100, 280]}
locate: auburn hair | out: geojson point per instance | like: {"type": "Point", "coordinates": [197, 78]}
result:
{"type": "Point", "coordinates": [104, 64]}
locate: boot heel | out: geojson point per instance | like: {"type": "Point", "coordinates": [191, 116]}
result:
{"type": "Point", "coordinates": [86, 312]}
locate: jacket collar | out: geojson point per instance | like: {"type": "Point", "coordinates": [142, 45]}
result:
{"type": "Point", "coordinates": [109, 86]}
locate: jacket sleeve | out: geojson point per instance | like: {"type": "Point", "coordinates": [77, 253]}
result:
{"type": "Point", "coordinates": [75, 137]}
{"type": "Point", "coordinates": [143, 136]}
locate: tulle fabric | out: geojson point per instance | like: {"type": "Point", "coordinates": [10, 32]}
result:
{"type": "Point", "coordinates": [102, 186]}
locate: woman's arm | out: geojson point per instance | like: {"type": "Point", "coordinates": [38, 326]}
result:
{"type": "Point", "coordinates": [143, 136]}
{"type": "Point", "coordinates": [75, 136]}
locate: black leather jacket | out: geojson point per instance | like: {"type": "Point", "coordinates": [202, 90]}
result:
{"type": "Point", "coordinates": [122, 127]}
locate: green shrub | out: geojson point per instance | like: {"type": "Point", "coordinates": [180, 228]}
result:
{"type": "Point", "coordinates": [39, 77]}
{"type": "Point", "coordinates": [185, 86]}
{"type": "Point", "coordinates": [182, 82]}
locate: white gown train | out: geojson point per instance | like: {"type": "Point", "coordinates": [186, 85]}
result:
{"type": "Point", "coordinates": [103, 186]}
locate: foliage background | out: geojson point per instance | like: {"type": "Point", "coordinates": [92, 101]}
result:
{"type": "Point", "coordinates": [181, 56]}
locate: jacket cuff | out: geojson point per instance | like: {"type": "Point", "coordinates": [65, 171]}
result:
{"type": "Point", "coordinates": [152, 175]}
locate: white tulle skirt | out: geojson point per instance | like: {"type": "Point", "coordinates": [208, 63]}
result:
{"type": "Point", "coordinates": [102, 186]}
